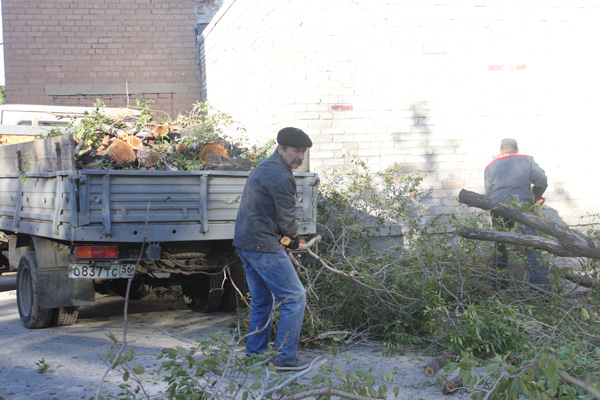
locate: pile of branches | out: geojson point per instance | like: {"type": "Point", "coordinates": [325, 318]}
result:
{"type": "Point", "coordinates": [136, 139]}
{"type": "Point", "coordinates": [435, 292]}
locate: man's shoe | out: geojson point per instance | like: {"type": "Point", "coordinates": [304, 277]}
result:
{"type": "Point", "coordinates": [297, 364]}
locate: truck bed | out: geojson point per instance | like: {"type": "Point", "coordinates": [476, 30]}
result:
{"type": "Point", "coordinates": [133, 206]}
{"type": "Point", "coordinates": [51, 199]}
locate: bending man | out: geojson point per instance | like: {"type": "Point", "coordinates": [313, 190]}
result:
{"type": "Point", "coordinates": [517, 177]}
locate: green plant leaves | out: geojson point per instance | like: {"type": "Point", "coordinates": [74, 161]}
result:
{"type": "Point", "coordinates": [138, 369]}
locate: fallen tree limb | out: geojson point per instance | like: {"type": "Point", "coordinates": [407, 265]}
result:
{"type": "Point", "coordinates": [538, 242]}
{"type": "Point", "coordinates": [318, 393]}
{"type": "Point", "coordinates": [582, 280]}
{"type": "Point", "coordinates": [583, 385]}
{"type": "Point", "coordinates": [575, 242]}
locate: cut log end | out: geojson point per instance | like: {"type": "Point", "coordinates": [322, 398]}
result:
{"type": "Point", "coordinates": [438, 363]}
{"type": "Point", "coordinates": [160, 131]}
{"type": "Point", "coordinates": [133, 141]}
{"type": "Point", "coordinates": [148, 159]}
{"type": "Point", "coordinates": [121, 152]}
{"type": "Point", "coordinates": [181, 148]}
{"type": "Point", "coordinates": [212, 148]}
{"type": "Point", "coordinates": [452, 385]}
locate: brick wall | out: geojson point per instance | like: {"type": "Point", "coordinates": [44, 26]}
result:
{"type": "Point", "coordinates": [434, 85]}
{"type": "Point", "coordinates": [71, 52]}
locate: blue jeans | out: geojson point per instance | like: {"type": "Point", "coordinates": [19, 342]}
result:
{"type": "Point", "coordinates": [272, 276]}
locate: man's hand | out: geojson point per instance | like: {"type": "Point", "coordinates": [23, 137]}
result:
{"type": "Point", "coordinates": [541, 201]}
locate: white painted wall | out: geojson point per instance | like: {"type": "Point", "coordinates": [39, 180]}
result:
{"type": "Point", "coordinates": [434, 85]}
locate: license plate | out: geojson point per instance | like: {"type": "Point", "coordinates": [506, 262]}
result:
{"type": "Point", "coordinates": [112, 271]}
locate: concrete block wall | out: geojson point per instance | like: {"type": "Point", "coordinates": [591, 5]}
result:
{"type": "Point", "coordinates": [66, 52]}
{"type": "Point", "coordinates": [433, 85]}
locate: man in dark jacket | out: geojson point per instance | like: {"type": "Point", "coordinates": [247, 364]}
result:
{"type": "Point", "coordinates": [267, 213]}
{"type": "Point", "coordinates": [513, 176]}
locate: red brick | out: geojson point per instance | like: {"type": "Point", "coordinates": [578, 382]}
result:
{"type": "Point", "coordinates": [339, 107]}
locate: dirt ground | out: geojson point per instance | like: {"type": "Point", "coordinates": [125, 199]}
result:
{"type": "Point", "coordinates": [75, 369]}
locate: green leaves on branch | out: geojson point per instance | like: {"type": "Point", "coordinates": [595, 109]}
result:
{"type": "Point", "coordinates": [419, 284]}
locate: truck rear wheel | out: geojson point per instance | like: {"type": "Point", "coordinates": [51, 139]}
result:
{"type": "Point", "coordinates": [64, 316]}
{"type": "Point", "coordinates": [33, 315]}
{"type": "Point", "coordinates": [230, 301]}
{"type": "Point", "coordinates": [203, 293]}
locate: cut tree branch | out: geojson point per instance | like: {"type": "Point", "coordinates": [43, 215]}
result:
{"type": "Point", "coordinates": [438, 363]}
{"type": "Point", "coordinates": [569, 239]}
{"type": "Point", "coordinates": [550, 245]}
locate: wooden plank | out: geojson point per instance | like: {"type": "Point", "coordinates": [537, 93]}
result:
{"type": "Point", "coordinates": [42, 155]}
{"type": "Point", "coordinates": [14, 139]}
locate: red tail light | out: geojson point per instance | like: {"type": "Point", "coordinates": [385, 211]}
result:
{"type": "Point", "coordinates": [87, 252]}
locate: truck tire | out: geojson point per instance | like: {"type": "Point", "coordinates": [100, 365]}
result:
{"type": "Point", "coordinates": [33, 315]}
{"type": "Point", "coordinates": [64, 316]}
{"type": "Point", "coordinates": [230, 301]}
{"type": "Point", "coordinates": [203, 293]}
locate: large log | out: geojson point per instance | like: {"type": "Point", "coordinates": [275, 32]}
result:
{"type": "Point", "coordinates": [121, 152]}
{"type": "Point", "coordinates": [571, 240]}
{"type": "Point", "coordinates": [538, 242]}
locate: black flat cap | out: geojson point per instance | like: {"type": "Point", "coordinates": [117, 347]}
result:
{"type": "Point", "coordinates": [293, 137]}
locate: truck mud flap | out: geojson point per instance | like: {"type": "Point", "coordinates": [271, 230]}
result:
{"type": "Point", "coordinates": [60, 291]}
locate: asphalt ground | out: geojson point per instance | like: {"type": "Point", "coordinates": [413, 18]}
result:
{"type": "Point", "coordinates": [64, 363]}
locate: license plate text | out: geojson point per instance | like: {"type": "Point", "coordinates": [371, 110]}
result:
{"type": "Point", "coordinates": [113, 271]}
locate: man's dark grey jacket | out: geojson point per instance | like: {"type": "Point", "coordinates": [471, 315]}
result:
{"type": "Point", "coordinates": [267, 208]}
{"type": "Point", "coordinates": [512, 175]}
